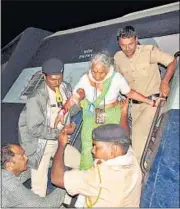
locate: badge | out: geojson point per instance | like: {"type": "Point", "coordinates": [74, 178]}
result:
{"type": "Point", "coordinates": [91, 108]}
{"type": "Point", "coordinates": [59, 104]}
{"type": "Point", "coordinates": [100, 116]}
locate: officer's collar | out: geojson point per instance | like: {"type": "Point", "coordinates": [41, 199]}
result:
{"type": "Point", "coordinates": [123, 160]}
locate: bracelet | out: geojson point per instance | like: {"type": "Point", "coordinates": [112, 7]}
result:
{"type": "Point", "coordinates": [154, 103]}
{"type": "Point", "coordinates": [63, 111]}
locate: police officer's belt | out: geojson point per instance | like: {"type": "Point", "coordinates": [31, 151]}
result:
{"type": "Point", "coordinates": [152, 97]}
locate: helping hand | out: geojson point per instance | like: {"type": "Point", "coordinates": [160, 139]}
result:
{"type": "Point", "coordinates": [81, 93]}
{"type": "Point", "coordinates": [59, 118]}
{"type": "Point", "coordinates": [124, 105]}
{"type": "Point", "coordinates": [164, 89]}
{"type": "Point", "coordinates": [70, 128]}
{"type": "Point", "coordinates": [63, 135]}
{"type": "Point", "coordinates": [160, 100]}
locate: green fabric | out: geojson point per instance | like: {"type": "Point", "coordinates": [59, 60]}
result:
{"type": "Point", "coordinates": [112, 115]}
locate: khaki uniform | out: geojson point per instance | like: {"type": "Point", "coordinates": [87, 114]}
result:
{"type": "Point", "coordinates": [121, 182]}
{"type": "Point", "coordinates": [142, 73]}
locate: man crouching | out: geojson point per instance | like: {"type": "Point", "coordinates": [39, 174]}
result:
{"type": "Point", "coordinates": [113, 181]}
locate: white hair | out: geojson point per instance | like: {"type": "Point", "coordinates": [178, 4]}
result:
{"type": "Point", "coordinates": [104, 58]}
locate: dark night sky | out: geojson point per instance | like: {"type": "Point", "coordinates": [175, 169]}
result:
{"type": "Point", "coordinates": [16, 16]}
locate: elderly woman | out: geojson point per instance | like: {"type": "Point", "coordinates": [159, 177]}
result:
{"type": "Point", "coordinates": [97, 93]}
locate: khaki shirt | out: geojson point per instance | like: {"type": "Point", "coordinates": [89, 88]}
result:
{"type": "Point", "coordinates": [141, 71]}
{"type": "Point", "coordinates": [121, 182]}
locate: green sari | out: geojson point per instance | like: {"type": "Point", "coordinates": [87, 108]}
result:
{"type": "Point", "coordinates": [112, 115]}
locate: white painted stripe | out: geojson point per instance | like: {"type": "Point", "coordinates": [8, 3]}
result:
{"type": "Point", "coordinates": [132, 16]}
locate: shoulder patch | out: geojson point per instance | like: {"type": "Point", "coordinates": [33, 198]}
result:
{"type": "Point", "coordinates": [118, 55]}
{"type": "Point", "coordinates": [147, 47]}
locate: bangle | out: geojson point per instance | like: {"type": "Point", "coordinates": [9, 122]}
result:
{"type": "Point", "coordinates": [154, 103]}
{"type": "Point", "coordinates": [62, 112]}
{"type": "Point", "coordinates": [65, 110]}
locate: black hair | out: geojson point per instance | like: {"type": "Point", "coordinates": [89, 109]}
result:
{"type": "Point", "coordinates": [6, 155]}
{"type": "Point", "coordinates": [126, 32]}
{"type": "Point", "coordinates": [123, 143]}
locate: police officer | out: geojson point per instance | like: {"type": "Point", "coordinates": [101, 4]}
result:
{"type": "Point", "coordinates": [139, 65]}
{"type": "Point", "coordinates": [115, 178]}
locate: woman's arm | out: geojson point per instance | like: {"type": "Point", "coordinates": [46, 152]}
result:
{"type": "Point", "coordinates": [74, 99]}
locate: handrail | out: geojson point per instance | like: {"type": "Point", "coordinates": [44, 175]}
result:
{"type": "Point", "coordinates": [77, 133]}
{"type": "Point", "coordinates": [177, 54]}
{"type": "Point", "coordinates": [155, 120]}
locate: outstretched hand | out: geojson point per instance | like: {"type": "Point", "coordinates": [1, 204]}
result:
{"type": "Point", "coordinates": [81, 93]}
{"type": "Point", "coordinates": [70, 128]}
{"type": "Point", "coordinates": [59, 118]}
{"type": "Point", "coordinates": [161, 100]}
{"type": "Point", "coordinates": [124, 105]}
{"type": "Point", "coordinates": [63, 135]}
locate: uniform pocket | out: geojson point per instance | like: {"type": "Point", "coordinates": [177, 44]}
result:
{"type": "Point", "coordinates": [128, 76]}
{"type": "Point", "coordinates": [143, 69]}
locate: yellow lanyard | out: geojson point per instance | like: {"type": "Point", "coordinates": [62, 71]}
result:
{"type": "Point", "coordinates": [59, 98]}
{"type": "Point", "coordinates": [89, 202]}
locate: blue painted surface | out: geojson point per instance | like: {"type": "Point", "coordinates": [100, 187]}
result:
{"type": "Point", "coordinates": [78, 120]}
{"type": "Point", "coordinates": [162, 188]}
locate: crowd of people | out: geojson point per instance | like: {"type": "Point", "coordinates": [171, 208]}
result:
{"type": "Point", "coordinates": [106, 173]}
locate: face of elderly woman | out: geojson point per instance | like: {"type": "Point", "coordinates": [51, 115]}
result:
{"type": "Point", "coordinates": [99, 71]}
